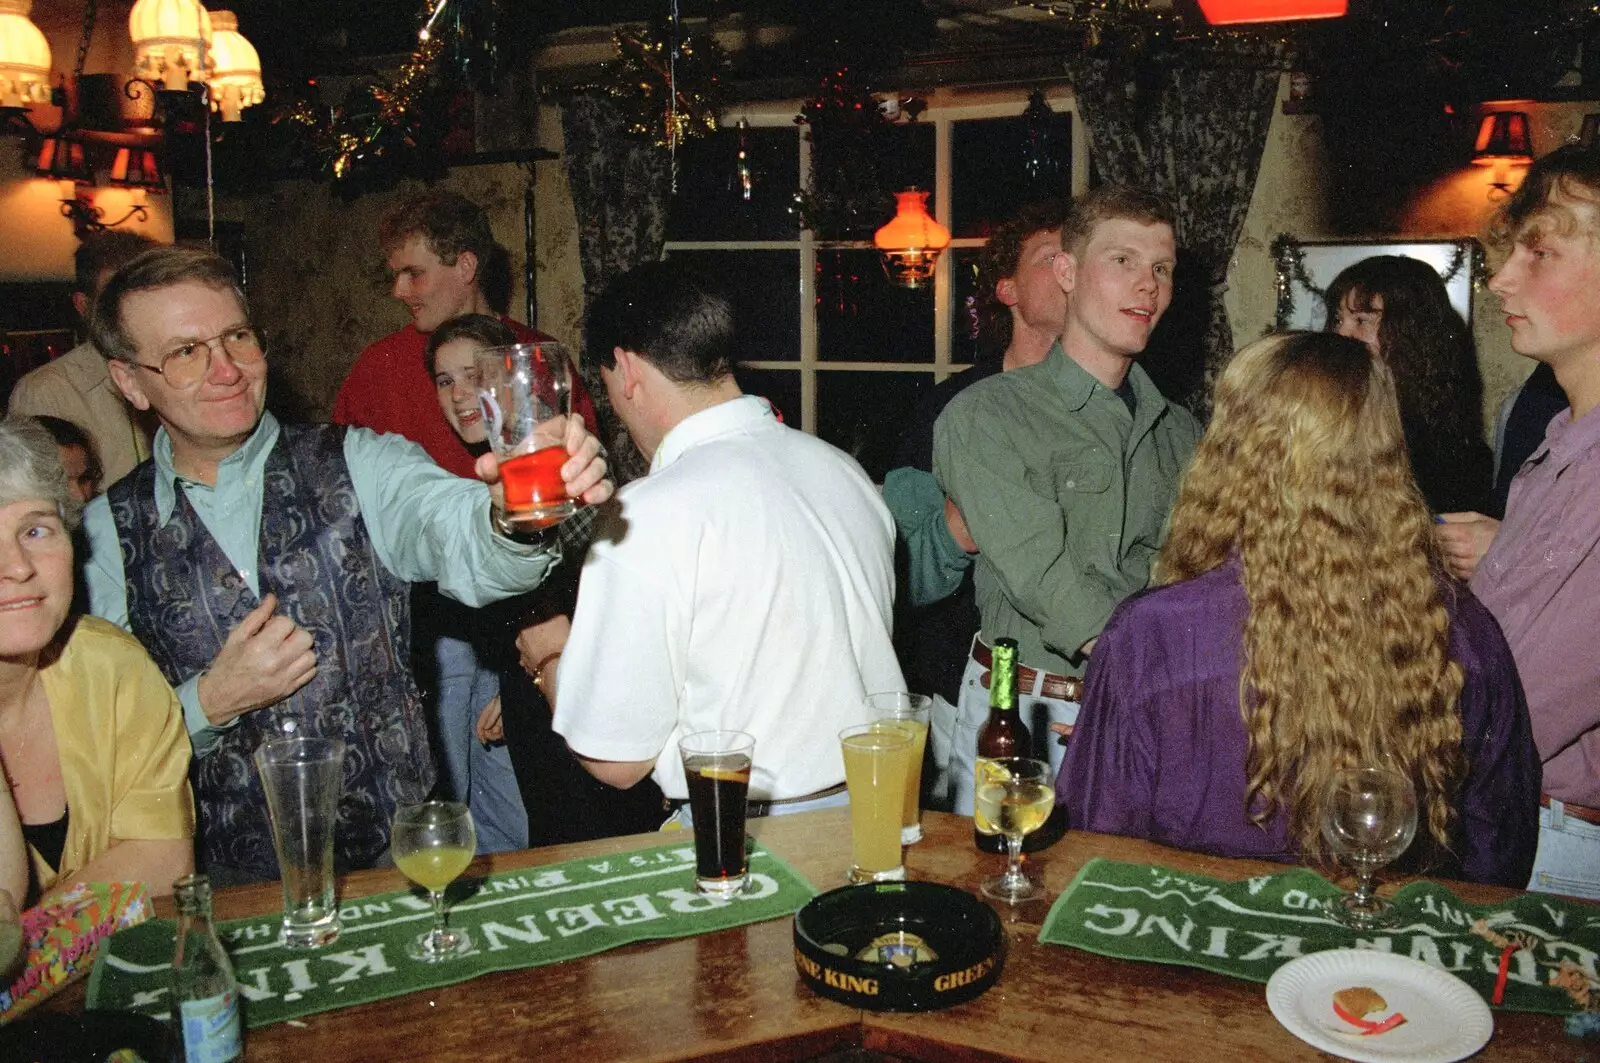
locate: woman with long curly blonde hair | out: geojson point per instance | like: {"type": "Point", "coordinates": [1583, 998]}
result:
{"type": "Point", "coordinates": [1306, 625]}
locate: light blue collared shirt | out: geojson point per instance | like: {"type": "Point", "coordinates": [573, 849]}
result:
{"type": "Point", "coordinates": [425, 524]}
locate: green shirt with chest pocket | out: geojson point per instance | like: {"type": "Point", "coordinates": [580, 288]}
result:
{"type": "Point", "coordinates": [1066, 494]}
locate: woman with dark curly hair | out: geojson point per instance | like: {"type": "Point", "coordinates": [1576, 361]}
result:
{"type": "Point", "coordinates": [1304, 624]}
{"type": "Point", "coordinates": [1399, 308]}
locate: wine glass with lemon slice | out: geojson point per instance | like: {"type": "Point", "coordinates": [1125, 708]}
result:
{"type": "Point", "coordinates": [1014, 796]}
{"type": "Point", "coordinates": [432, 844]}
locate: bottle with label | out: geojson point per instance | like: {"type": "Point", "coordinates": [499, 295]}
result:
{"type": "Point", "coordinates": [1003, 734]}
{"type": "Point", "coordinates": [205, 993]}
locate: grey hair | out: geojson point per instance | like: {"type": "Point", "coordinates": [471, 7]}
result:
{"type": "Point", "coordinates": [30, 467]}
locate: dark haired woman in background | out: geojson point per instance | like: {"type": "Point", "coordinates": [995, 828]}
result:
{"type": "Point", "coordinates": [1399, 308]}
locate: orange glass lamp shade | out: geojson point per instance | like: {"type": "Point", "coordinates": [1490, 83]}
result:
{"type": "Point", "coordinates": [911, 242]}
{"type": "Point", "coordinates": [236, 73]}
{"type": "Point", "coordinates": [1503, 137]}
{"type": "Point", "coordinates": [61, 159]}
{"type": "Point", "coordinates": [24, 57]}
{"type": "Point", "coordinates": [1233, 12]}
{"type": "Point", "coordinates": [170, 41]}
{"type": "Point", "coordinates": [137, 168]}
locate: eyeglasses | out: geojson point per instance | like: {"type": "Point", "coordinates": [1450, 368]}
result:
{"type": "Point", "coordinates": [186, 366]}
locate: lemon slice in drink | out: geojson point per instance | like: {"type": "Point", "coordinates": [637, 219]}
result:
{"type": "Point", "coordinates": [992, 773]}
{"type": "Point", "coordinates": [725, 774]}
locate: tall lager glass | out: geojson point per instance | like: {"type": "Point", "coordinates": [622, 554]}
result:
{"type": "Point", "coordinates": [877, 759]}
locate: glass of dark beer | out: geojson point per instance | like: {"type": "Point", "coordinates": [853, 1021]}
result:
{"type": "Point", "coordinates": [716, 766]}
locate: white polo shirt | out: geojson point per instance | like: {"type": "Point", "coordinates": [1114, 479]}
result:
{"type": "Point", "coordinates": [749, 585]}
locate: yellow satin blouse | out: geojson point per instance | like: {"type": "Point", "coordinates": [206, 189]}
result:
{"type": "Point", "coordinates": [122, 744]}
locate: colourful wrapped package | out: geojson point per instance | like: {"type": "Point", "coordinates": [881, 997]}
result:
{"type": "Point", "coordinates": [62, 937]}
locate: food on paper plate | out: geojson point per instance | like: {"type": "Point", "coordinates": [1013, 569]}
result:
{"type": "Point", "coordinates": [1359, 1000]}
{"type": "Point", "coordinates": [1354, 1003]}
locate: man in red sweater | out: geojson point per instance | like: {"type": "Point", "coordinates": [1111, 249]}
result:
{"type": "Point", "coordinates": [437, 246]}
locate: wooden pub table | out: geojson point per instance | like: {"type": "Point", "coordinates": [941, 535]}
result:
{"type": "Point", "coordinates": [734, 995]}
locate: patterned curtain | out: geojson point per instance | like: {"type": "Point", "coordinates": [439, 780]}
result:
{"type": "Point", "coordinates": [1194, 136]}
{"type": "Point", "coordinates": [621, 186]}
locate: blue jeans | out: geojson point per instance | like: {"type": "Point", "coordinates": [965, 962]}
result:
{"type": "Point", "coordinates": [479, 775]}
{"type": "Point", "coordinates": [1568, 860]}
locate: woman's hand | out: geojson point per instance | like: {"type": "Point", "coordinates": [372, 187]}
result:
{"type": "Point", "coordinates": [536, 643]}
{"type": "Point", "coordinates": [490, 727]}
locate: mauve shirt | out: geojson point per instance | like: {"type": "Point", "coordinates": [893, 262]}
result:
{"type": "Point", "coordinates": [1541, 580]}
{"type": "Point", "coordinates": [1159, 748]}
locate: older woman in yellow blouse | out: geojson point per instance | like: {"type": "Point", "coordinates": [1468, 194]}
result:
{"type": "Point", "coordinates": [92, 743]}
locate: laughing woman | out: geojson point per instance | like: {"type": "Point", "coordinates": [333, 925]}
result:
{"type": "Point", "coordinates": [92, 742]}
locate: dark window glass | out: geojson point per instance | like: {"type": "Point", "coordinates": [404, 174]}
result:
{"type": "Point", "coordinates": [711, 203]}
{"type": "Point", "coordinates": [781, 387]}
{"type": "Point", "coordinates": [908, 160]}
{"type": "Point", "coordinates": [990, 172]}
{"type": "Point", "coordinates": [862, 317]}
{"type": "Point", "coordinates": [965, 347]}
{"type": "Point", "coordinates": [764, 287]}
{"type": "Point", "coordinates": [865, 413]}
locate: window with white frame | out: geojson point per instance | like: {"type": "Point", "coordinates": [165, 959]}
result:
{"type": "Point", "coordinates": [839, 350]}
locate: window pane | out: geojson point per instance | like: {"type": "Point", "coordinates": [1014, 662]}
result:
{"type": "Point", "coordinates": [710, 203]}
{"type": "Point", "coordinates": [764, 287]}
{"type": "Point", "coordinates": [861, 317]}
{"type": "Point", "coordinates": [865, 413]}
{"type": "Point", "coordinates": [781, 387]}
{"type": "Point", "coordinates": [965, 347]}
{"type": "Point", "coordinates": [908, 160]}
{"type": "Point", "coordinates": [989, 169]}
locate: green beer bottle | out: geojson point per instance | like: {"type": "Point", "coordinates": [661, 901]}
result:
{"type": "Point", "coordinates": [1003, 734]}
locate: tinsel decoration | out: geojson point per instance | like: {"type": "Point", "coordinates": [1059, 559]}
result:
{"type": "Point", "coordinates": [663, 98]}
{"type": "Point", "coordinates": [847, 196]}
{"type": "Point", "coordinates": [342, 138]}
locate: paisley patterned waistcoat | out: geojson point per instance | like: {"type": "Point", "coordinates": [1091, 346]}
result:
{"type": "Point", "coordinates": [185, 596]}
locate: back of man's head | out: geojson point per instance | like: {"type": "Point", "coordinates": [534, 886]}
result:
{"type": "Point", "coordinates": [105, 252]}
{"type": "Point", "coordinates": [662, 313]}
{"type": "Point", "coordinates": [448, 223]}
{"type": "Point", "coordinates": [162, 267]}
{"type": "Point", "coordinates": [1109, 203]}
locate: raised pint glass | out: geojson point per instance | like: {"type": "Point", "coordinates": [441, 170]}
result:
{"type": "Point", "coordinates": [525, 391]}
{"type": "Point", "coordinates": [302, 778]}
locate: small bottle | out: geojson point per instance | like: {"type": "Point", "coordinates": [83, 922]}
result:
{"type": "Point", "coordinates": [1003, 734]}
{"type": "Point", "coordinates": [205, 993]}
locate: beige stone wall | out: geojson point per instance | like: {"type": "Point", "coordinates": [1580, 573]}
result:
{"type": "Point", "coordinates": [1289, 199]}
{"type": "Point", "coordinates": [320, 289]}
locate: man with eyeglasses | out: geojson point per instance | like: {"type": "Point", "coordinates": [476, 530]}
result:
{"type": "Point", "coordinates": [266, 567]}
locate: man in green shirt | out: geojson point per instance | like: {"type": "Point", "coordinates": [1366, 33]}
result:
{"type": "Point", "coordinates": [1064, 472]}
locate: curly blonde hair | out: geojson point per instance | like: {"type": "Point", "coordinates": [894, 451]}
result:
{"type": "Point", "coordinates": [1303, 474]}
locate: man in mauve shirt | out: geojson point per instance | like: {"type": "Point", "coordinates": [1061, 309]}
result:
{"type": "Point", "coordinates": [1539, 571]}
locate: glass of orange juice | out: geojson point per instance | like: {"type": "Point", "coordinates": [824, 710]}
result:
{"type": "Point", "coordinates": [525, 391]}
{"type": "Point", "coordinates": [877, 759]}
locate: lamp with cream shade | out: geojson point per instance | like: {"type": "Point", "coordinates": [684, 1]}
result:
{"type": "Point", "coordinates": [171, 40]}
{"type": "Point", "coordinates": [236, 68]}
{"type": "Point", "coordinates": [24, 57]}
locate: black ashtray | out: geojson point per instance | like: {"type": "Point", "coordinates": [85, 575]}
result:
{"type": "Point", "coordinates": [898, 946]}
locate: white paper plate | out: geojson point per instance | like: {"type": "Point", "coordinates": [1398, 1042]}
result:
{"type": "Point", "coordinates": [1446, 1020]}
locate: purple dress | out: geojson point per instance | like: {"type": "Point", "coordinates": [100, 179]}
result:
{"type": "Point", "coordinates": [1159, 748]}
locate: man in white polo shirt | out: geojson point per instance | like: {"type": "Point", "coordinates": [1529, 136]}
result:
{"type": "Point", "coordinates": [748, 584]}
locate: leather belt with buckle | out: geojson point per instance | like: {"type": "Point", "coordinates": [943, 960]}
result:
{"type": "Point", "coordinates": [1579, 812]}
{"type": "Point", "coordinates": [1060, 687]}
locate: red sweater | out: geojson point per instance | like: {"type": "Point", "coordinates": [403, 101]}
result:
{"type": "Point", "coordinates": [389, 390]}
